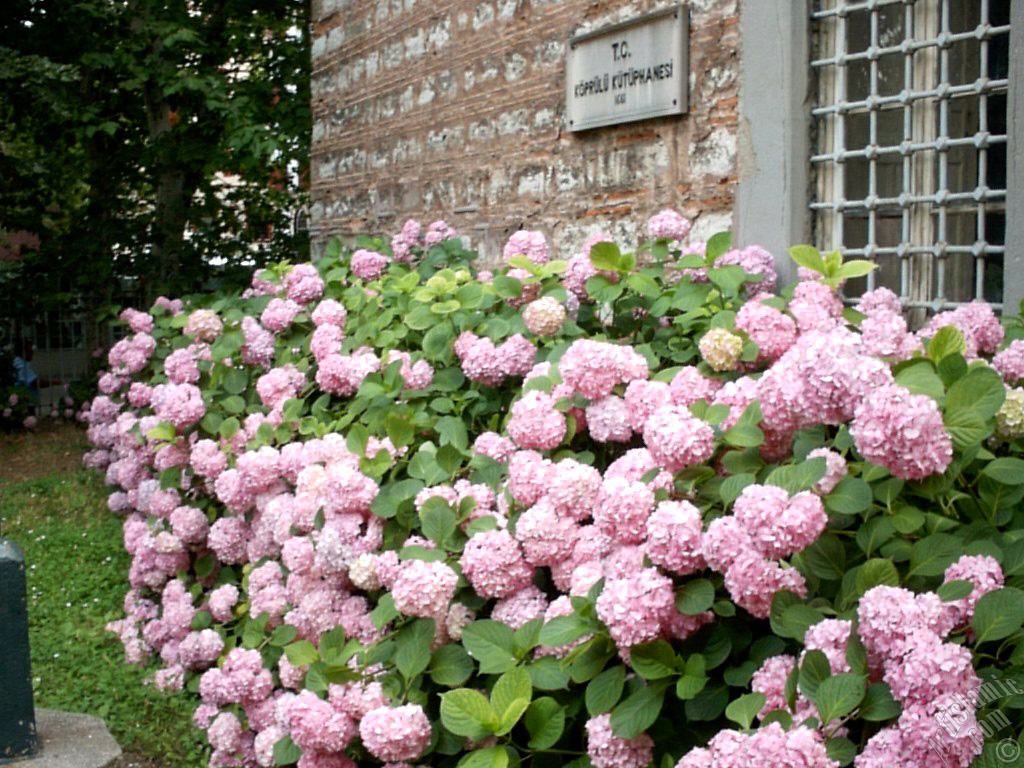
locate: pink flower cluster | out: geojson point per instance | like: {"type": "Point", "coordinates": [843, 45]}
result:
{"type": "Point", "coordinates": [903, 432]}
{"type": "Point", "coordinates": [668, 224]}
{"type": "Point", "coordinates": [767, 524]}
{"type": "Point", "coordinates": [902, 633]}
{"type": "Point", "coordinates": [529, 243]}
{"type": "Point", "coordinates": [767, 746]}
{"type": "Point", "coordinates": [368, 265]}
{"type": "Point", "coordinates": [484, 361]}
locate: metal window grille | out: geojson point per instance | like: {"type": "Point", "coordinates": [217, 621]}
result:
{"type": "Point", "coordinates": [911, 134]}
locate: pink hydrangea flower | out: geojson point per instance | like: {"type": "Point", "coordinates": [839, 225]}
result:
{"type": "Point", "coordinates": [636, 608]}
{"type": "Point", "coordinates": [674, 537]}
{"type": "Point", "coordinates": [608, 420]}
{"type": "Point", "coordinates": [424, 588]}
{"type": "Point", "coordinates": [622, 509]}
{"type": "Point", "coordinates": [593, 368]}
{"type": "Point", "coordinates": [835, 470]}
{"type": "Point", "coordinates": [1010, 362]}
{"type": "Point", "coordinates": [493, 563]}
{"type": "Point", "coordinates": [903, 432]}
{"type": "Point", "coordinates": [399, 733]}
{"type": "Point", "coordinates": [984, 572]}
{"type": "Point", "coordinates": [772, 331]}
{"type": "Point", "coordinates": [528, 243]}
{"type": "Point", "coordinates": [721, 349]}
{"type": "Point", "coordinates": [368, 265]}
{"type": "Point", "coordinates": [279, 314]}
{"type": "Point", "coordinates": [535, 423]}
{"type": "Point", "coordinates": [303, 284]}
{"type": "Point", "coordinates": [204, 325]}
{"type": "Point", "coordinates": [668, 224]}
{"type": "Point", "coordinates": [676, 439]}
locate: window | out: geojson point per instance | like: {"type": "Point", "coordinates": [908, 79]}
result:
{"type": "Point", "coordinates": [910, 143]}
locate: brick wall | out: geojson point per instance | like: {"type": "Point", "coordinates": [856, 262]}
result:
{"type": "Point", "coordinates": [455, 109]}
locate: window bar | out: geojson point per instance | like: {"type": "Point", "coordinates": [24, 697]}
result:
{"type": "Point", "coordinates": [981, 238]}
{"type": "Point", "coordinates": [839, 172]}
{"type": "Point", "coordinates": [941, 236]}
{"type": "Point", "coordinates": [872, 240]}
{"type": "Point", "coordinates": [908, 135]}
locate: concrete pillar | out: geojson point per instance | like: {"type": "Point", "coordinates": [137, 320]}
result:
{"type": "Point", "coordinates": [17, 714]}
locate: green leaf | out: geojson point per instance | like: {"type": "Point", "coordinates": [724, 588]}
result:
{"type": "Point", "coordinates": [563, 630]}
{"type": "Point", "coordinates": [235, 380]}
{"type": "Point", "coordinates": [931, 556]}
{"type": "Point", "coordinates": [920, 378]}
{"type": "Point", "coordinates": [414, 641]}
{"type": "Point", "coordinates": [855, 268]}
{"type": "Point", "coordinates": [998, 614]}
{"type": "Point", "coordinates": [733, 486]}
{"type": "Point", "coordinates": [162, 431]}
{"type": "Point", "coordinates": [643, 285]}
{"type": "Point", "coordinates": [838, 696]}
{"type": "Point", "coordinates": [654, 660]}
{"type": "Point", "coordinates": [826, 558]}
{"type": "Point", "coordinates": [947, 341]}
{"type": "Point", "coordinates": [491, 757]}
{"type": "Point", "coordinates": [808, 257]}
{"type": "Point", "coordinates": [954, 590]}
{"type": "Point", "coordinates": [981, 389]}
{"type": "Point", "coordinates": [851, 496]}
{"type": "Point", "coordinates": [841, 749]}
{"type": "Point", "coordinates": [437, 340]}
{"type": "Point", "coordinates": [728, 279]}
{"type": "Point", "coordinates": [966, 426]}
{"type": "Point", "coordinates": [547, 674]}
{"type": "Point", "coordinates": [878, 704]}
{"type": "Point", "coordinates": [438, 520]}
{"type": "Point", "coordinates": [695, 596]}
{"type": "Point", "coordinates": [282, 635]}
{"type": "Point", "coordinates": [638, 712]}
{"type": "Point", "coordinates": [605, 690]}
{"type": "Point", "coordinates": [450, 666]}
{"type": "Point", "coordinates": [1006, 470]}
{"type": "Point", "coordinates": [545, 722]}
{"type": "Point", "coordinates": [717, 245]}
{"type": "Point", "coordinates": [384, 612]}
{"type": "Point", "coordinates": [301, 652]}
{"type": "Point", "coordinates": [606, 257]}
{"type": "Point", "coordinates": [399, 429]}
{"type": "Point", "coordinates": [286, 752]}
{"type": "Point", "coordinates": [512, 686]}
{"type": "Point", "coordinates": [813, 670]}
{"type": "Point", "coordinates": [465, 712]}
{"type": "Point", "coordinates": [492, 644]}
{"type": "Point", "coordinates": [744, 709]}
{"type": "Point", "coordinates": [875, 572]}
{"type": "Point", "coordinates": [528, 636]}
{"type": "Point", "coordinates": [744, 436]}
{"type": "Point", "coordinates": [234, 405]}
{"type": "Point", "coordinates": [797, 619]}
{"type": "Point", "coordinates": [693, 679]}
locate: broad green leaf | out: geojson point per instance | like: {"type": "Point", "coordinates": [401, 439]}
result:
{"type": "Point", "coordinates": [282, 635]}
{"type": "Point", "coordinates": [606, 256]}
{"type": "Point", "coordinates": [695, 596]}
{"type": "Point", "coordinates": [491, 757]}
{"type": "Point", "coordinates": [545, 721]}
{"type": "Point", "coordinates": [286, 752]}
{"type": "Point", "coordinates": [946, 341]}
{"type": "Point", "coordinates": [920, 378]}
{"type": "Point", "coordinates": [851, 496]}
{"type": "Point", "coordinates": [841, 749]}
{"type": "Point", "coordinates": [878, 704]}
{"type": "Point", "coordinates": [813, 670]}
{"type": "Point", "coordinates": [605, 690]}
{"type": "Point", "coordinates": [450, 665]}
{"type": "Point", "coordinates": [744, 709]}
{"type": "Point", "coordinates": [1006, 470]}
{"type": "Point", "coordinates": [301, 652]}
{"type": "Point", "coordinates": [875, 572]}
{"type": "Point", "coordinates": [717, 245]}
{"type": "Point", "coordinates": [563, 630]}
{"type": "Point", "coordinates": [955, 590]}
{"type": "Point", "coordinates": [654, 660]}
{"type": "Point", "coordinates": [413, 641]}
{"type": "Point", "coordinates": [998, 614]}
{"type": "Point", "coordinates": [981, 389]}
{"type": "Point", "coordinates": [492, 644]}
{"type": "Point", "coordinates": [838, 695]}
{"type": "Point", "coordinates": [638, 712]}
{"type": "Point", "coordinates": [399, 429]}
{"type": "Point", "coordinates": [855, 268]}
{"type": "Point", "coordinates": [809, 257]}
{"type": "Point", "coordinates": [466, 712]}
{"type": "Point", "coordinates": [511, 686]}
{"type": "Point", "coordinates": [438, 520]}
{"type": "Point", "coordinates": [966, 426]}
{"type": "Point", "coordinates": [931, 556]}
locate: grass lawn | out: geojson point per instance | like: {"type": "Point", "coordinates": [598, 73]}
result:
{"type": "Point", "coordinates": [77, 577]}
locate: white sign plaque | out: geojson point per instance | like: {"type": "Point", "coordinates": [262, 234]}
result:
{"type": "Point", "coordinates": [629, 71]}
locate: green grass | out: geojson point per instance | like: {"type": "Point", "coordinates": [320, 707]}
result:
{"type": "Point", "coordinates": [77, 577]}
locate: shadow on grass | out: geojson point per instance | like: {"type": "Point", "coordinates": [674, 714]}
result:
{"type": "Point", "coordinates": [77, 577]}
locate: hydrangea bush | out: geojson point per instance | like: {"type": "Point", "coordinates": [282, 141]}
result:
{"type": "Point", "coordinates": [618, 510]}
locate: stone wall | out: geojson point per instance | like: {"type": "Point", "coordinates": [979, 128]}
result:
{"type": "Point", "coordinates": [455, 109]}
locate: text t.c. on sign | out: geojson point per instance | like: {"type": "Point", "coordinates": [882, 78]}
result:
{"type": "Point", "coordinates": [629, 71]}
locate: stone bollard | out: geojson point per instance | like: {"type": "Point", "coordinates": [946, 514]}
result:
{"type": "Point", "coordinates": [17, 714]}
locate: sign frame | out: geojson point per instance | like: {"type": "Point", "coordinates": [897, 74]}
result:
{"type": "Point", "coordinates": [674, 102]}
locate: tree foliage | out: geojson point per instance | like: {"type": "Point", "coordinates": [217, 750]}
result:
{"type": "Point", "coordinates": [155, 141]}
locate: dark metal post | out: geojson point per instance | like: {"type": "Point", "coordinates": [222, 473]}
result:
{"type": "Point", "coordinates": [17, 714]}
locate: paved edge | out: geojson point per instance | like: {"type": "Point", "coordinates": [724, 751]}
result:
{"type": "Point", "coordinates": [71, 740]}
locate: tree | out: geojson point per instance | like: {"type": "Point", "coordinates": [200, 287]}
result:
{"type": "Point", "coordinates": [157, 141]}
